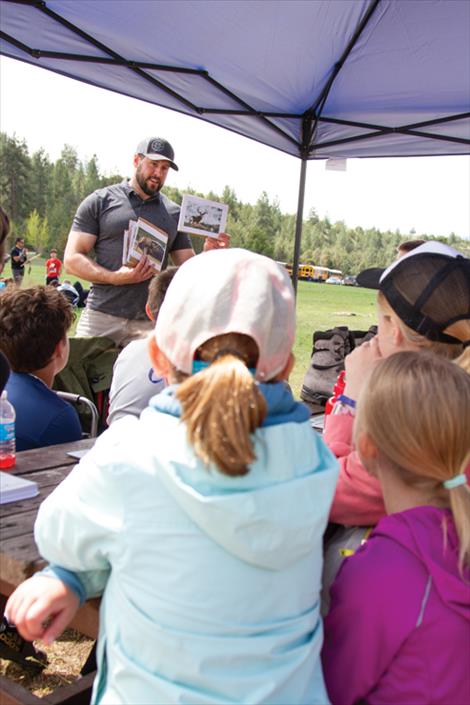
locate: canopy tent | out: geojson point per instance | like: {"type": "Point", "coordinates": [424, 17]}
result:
{"type": "Point", "coordinates": [313, 78]}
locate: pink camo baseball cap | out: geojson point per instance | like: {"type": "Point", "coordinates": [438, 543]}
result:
{"type": "Point", "coordinates": [228, 291]}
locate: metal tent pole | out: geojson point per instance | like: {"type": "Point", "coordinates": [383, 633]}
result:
{"type": "Point", "coordinates": [298, 224]}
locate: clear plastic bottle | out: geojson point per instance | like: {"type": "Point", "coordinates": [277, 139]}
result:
{"type": "Point", "coordinates": [7, 433]}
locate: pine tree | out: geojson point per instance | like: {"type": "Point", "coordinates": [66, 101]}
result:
{"type": "Point", "coordinates": [40, 182]}
{"type": "Point", "coordinates": [33, 230]}
{"type": "Point", "coordinates": [14, 177]}
{"type": "Point", "coordinates": [64, 197]}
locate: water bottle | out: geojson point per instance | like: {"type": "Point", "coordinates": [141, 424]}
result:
{"type": "Point", "coordinates": [338, 389]}
{"type": "Point", "coordinates": [7, 433]}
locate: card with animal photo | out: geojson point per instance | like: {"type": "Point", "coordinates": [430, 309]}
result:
{"type": "Point", "coordinates": [143, 238]}
{"type": "Point", "coordinates": [202, 217]}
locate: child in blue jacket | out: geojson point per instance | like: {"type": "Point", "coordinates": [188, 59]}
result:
{"type": "Point", "coordinates": [200, 523]}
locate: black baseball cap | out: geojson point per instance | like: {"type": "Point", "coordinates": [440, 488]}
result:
{"type": "Point", "coordinates": [428, 288]}
{"type": "Point", "coordinates": [157, 149]}
{"type": "Point", "coordinates": [370, 278]}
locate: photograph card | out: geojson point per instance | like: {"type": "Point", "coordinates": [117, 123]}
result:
{"type": "Point", "coordinates": [202, 217]}
{"type": "Point", "coordinates": [143, 238]}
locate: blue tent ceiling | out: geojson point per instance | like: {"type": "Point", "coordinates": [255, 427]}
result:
{"type": "Point", "coordinates": [313, 78]}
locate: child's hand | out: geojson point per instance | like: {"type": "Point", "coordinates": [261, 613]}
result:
{"type": "Point", "coordinates": [359, 364]}
{"type": "Point", "coordinates": [41, 608]}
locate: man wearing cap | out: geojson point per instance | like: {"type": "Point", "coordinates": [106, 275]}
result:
{"type": "Point", "coordinates": [116, 303]}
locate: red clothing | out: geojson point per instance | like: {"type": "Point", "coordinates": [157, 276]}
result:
{"type": "Point", "coordinates": [53, 267]}
{"type": "Point", "coordinates": [358, 499]}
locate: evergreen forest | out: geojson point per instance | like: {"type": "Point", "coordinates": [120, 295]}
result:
{"type": "Point", "coordinates": [41, 197]}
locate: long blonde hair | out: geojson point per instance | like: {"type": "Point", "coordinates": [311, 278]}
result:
{"type": "Point", "coordinates": [460, 329]}
{"type": "Point", "coordinates": [426, 400]}
{"type": "Point", "coordinates": [222, 405]}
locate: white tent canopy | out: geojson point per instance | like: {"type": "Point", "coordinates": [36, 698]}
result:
{"type": "Point", "coordinates": [313, 78]}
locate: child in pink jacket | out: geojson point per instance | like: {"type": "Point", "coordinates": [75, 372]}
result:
{"type": "Point", "coordinates": [398, 630]}
{"type": "Point", "coordinates": [423, 304]}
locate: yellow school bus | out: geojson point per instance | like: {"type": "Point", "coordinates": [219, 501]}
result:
{"type": "Point", "coordinates": [312, 272]}
{"type": "Point", "coordinates": [305, 270]}
{"type": "Point", "coordinates": [321, 274]}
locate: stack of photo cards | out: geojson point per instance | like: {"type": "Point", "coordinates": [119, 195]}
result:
{"type": "Point", "coordinates": [199, 216]}
{"type": "Point", "coordinates": [142, 238]}
{"type": "Point", "coordinates": [15, 489]}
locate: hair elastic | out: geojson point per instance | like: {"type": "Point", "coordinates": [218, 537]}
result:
{"type": "Point", "coordinates": [228, 351]}
{"type": "Point", "coordinates": [455, 481]}
{"type": "Point", "coordinates": [347, 400]}
{"type": "Point", "coordinates": [199, 365]}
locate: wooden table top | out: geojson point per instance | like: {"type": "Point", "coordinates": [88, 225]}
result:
{"type": "Point", "coordinates": [19, 557]}
{"type": "Point", "coordinates": [48, 466]}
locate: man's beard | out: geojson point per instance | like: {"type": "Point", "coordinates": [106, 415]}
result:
{"type": "Point", "coordinates": [146, 188]}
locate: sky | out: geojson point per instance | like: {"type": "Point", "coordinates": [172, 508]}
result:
{"type": "Point", "coordinates": [430, 195]}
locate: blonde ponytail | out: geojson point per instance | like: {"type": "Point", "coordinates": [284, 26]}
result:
{"type": "Point", "coordinates": [426, 400]}
{"type": "Point", "coordinates": [460, 507]}
{"type": "Point", "coordinates": [222, 405]}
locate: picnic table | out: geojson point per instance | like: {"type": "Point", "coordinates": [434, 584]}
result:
{"type": "Point", "coordinates": [19, 559]}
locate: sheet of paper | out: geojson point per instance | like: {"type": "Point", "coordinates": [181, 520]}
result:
{"type": "Point", "coordinates": [15, 489]}
{"type": "Point", "coordinates": [78, 453]}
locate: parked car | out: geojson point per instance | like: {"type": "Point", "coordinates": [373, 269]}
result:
{"type": "Point", "coordinates": [334, 280]}
{"type": "Point", "coordinates": [349, 280]}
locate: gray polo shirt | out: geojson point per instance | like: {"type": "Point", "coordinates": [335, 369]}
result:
{"type": "Point", "coordinates": [106, 214]}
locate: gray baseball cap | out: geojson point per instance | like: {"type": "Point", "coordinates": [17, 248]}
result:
{"type": "Point", "coordinates": [157, 149]}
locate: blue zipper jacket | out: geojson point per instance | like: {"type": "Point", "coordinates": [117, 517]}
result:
{"type": "Point", "coordinates": [210, 583]}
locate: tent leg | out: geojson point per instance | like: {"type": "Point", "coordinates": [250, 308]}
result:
{"type": "Point", "coordinates": [298, 224]}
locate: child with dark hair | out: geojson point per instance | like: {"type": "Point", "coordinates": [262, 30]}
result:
{"type": "Point", "coordinates": [18, 260]}
{"type": "Point", "coordinates": [53, 267]}
{"type": "Point", "coordinates": [33, 336]}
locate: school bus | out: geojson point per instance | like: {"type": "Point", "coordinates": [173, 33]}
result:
{"type": "Point", "coordinates": [312, 272]}
{"type": "Point", "coordinates": [305, 270]}
{"type": "Point", "coordinates": [321, 274]}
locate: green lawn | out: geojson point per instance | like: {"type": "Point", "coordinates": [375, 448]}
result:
{"type": "Point", "coordinates": [36, 274]}
{"type": "Point", "coordinates": [319, 307]}
{"type": "Point", "coordinates": [323, 306]}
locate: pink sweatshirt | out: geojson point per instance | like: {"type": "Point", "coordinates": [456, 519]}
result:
{"type": "Point", "coordinates": [358, 500]}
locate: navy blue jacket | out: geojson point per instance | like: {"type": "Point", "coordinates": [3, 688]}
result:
{"type": "Point", "coordinates": [42, 418]}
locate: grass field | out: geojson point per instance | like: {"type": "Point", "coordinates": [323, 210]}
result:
{"type": "Point", "coordinates": [36, 274]}
{"type": "Point", "coordinates": [319, 307]}
{"type": "Point", "coordinates": [323, 306]}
